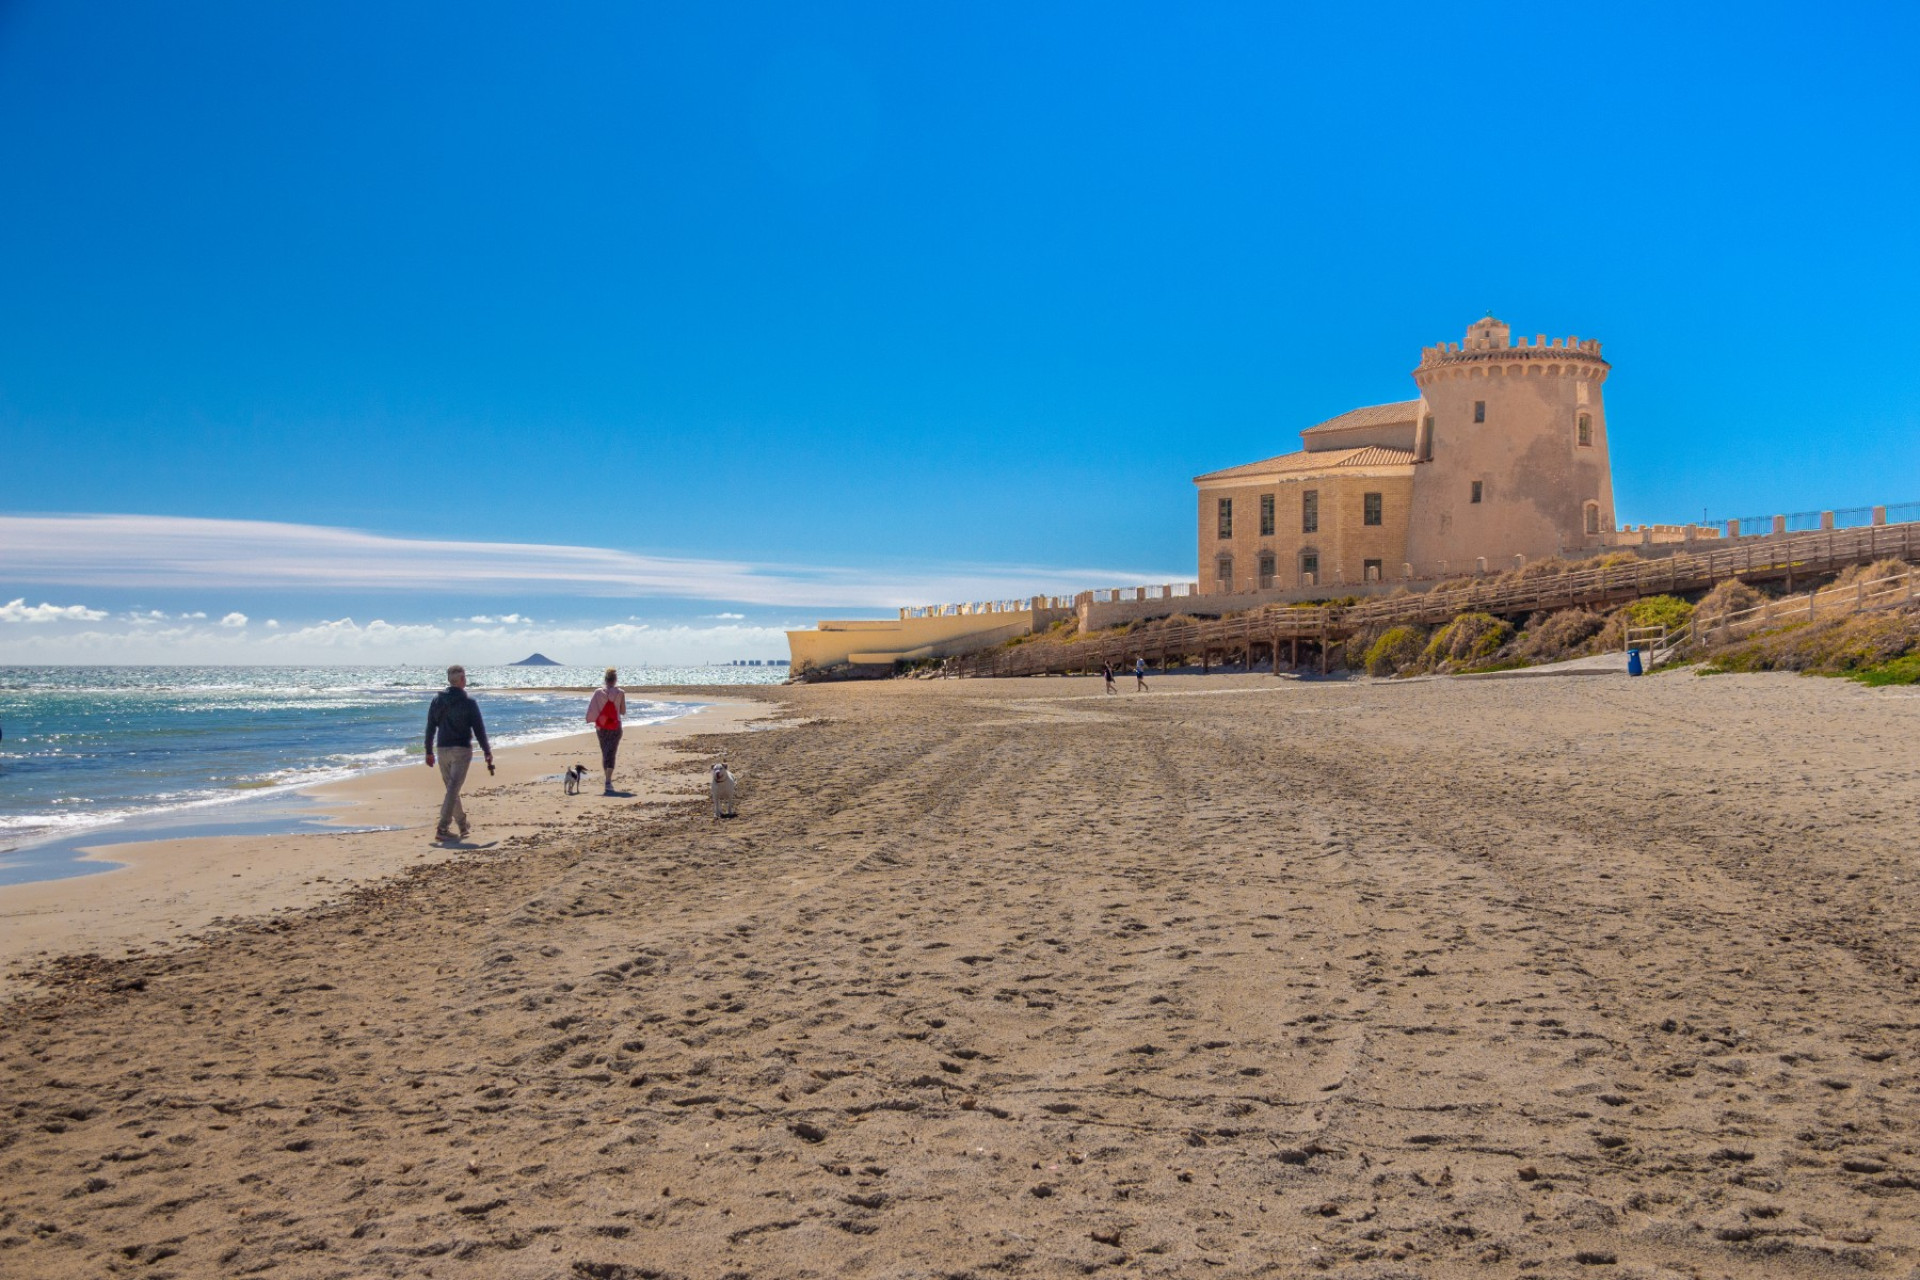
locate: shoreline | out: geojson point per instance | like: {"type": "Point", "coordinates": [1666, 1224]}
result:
{"type": "Point", "coordinates": [163, 891]}
{"type": "Point", "coordinates": [101, 833]}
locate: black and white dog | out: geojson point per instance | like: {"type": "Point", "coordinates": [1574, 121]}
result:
{"type": "Point", "coordinates": [575, 774]}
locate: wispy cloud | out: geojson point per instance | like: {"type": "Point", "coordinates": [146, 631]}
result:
{"type": "Point", "coordinates": [154, 552]}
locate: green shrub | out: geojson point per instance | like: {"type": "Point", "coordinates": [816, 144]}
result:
{"type": "Point", "coordinates": [1396, 648]}
{"type": "Point", "coordinates": [1670, 612]}
{"type": "Point", "coordinates": [1469, 638]}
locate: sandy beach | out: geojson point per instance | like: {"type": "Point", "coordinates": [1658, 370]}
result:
{"type": "Point", "coordinates": [1244, 976]}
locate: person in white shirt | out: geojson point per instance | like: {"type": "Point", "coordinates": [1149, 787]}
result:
{"type": "Point", "coordinates": [604, 713]}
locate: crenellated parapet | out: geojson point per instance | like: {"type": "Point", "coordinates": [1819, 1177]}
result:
{"type": "Point", "coordinates": [1495, 356]}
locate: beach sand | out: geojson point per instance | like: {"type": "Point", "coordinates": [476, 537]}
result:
{"type": "Point", "coordinates": [1588, 977]}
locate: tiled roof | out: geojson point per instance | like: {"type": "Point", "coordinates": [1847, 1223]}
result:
{"type": "Point", "coordinates": [1322, 460]}
{"type": "Point", "coordinates": [1373, 415]}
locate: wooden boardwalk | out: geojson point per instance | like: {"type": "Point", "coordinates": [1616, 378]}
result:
{"type": "Point", "coordinates": [1294, 630]}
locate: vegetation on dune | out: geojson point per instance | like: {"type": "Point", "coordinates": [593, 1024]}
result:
{"type": "Point", "coordinates": [1875, 572]}
{"type": "Point", "coordinates": [1396, 649]}
{"type": "Point", "coordinates": [1878, 649]}
{"type": "Point", "coordinates": [1469, 639]}
{"type": "Point", "coordinates": [1556, 634]}
{"type": "Point", "coordinates": [1875, 648]}
{"type": "Point", "coordinates": [1902, 670]}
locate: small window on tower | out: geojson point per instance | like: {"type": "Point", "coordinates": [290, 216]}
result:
{"type": "Point", "coordinates": [1369, 508]}
{"type": "Point", "coordinates": [1586, 429]}
{"type": "Point", "coordinates": [1226, 517]}
{"type": "Point", "coordinates": [1593, 518]}
{"type": "Point", "coordinates": [1476, 491]}
{"type": "Point", "coordinates": [1479, 410]}
{"type": "Point", "coordinates": [1266, 515]}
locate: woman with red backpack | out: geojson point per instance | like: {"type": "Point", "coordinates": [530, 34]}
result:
{"type": "Point", "coordinates": [604, 714]}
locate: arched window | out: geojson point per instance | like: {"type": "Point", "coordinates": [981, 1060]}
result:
{"type": "Point", "coordinates": [1266, 570]}
{"type": "Point", "coordinates": [1593, 518]}
{"type": "Point", "coordinates": [1223, 573]}
{"type": "Point", "coordinates": [1584, 429]}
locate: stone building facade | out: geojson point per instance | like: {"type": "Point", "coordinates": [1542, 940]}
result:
{"type": "Point", "coordinates": [1503, 455]}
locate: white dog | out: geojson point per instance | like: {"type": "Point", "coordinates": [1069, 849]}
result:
{"type": "Point", "coordinates": [574, 774]}
{"type": "Point", "coordinates": [722, 789]}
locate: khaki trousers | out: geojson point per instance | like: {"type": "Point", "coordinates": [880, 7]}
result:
{"type": "Point", "coordinates": [454, 762]}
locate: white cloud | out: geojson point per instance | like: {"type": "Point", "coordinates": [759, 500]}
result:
{"type": "Point", "coordinates": [234, 620]}
{"type": "Point", "coordinates": [628, 645]}
{"type": "Point", "coordinates": [151, 553]}
{"type": "Point", "coordinates": [20, 611]}
{"type": "Point", "coordinates": [273, 623]}
{"type": "Point", "coordinates": [732, 617]}
{"type": "Point", "coordinates": [511, 619]}
{"type": "Point", "coordinates": [192, 617]}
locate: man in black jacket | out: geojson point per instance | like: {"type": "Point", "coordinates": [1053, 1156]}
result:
{"type": "Point", "coordinates": [453, 722]}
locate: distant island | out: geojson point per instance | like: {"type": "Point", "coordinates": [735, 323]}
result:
{"type": "Point", "coordinates": [536, 660]}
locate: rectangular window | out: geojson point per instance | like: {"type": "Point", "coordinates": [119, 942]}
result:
{"type": "Point", "coordinates": [1226, 517]}
{"type": "Point", "coordinates": [1479, 410]}
{"type": "Point", "coordinates": [1426, 442]}
{"type": "Point", "coordinates": [1266, 515]}
{"type": "Point", "coordinates": [1586, 429]}
{"type": "Point", "coordinates": [1310, 511]}
{"type": "Point", "coordinates": [1369, 508]}
{"type": "Point", "coordinates": [1309, 569]}
{"type": "Point", "coordinates": [1266, 570]}
{"type": "Point", "coordinates": [1223, 571]}
{"type": "Point", "coordinates": [1370, 570]}
{"type": "Point", "coordinates": [1476, 491]}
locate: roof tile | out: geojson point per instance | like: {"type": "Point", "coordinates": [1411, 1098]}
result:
{"type": "Point", "coordinates": [1372, 455]}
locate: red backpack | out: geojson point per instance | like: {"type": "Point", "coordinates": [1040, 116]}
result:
{"type": "Point", "coordinates": [609, 717]}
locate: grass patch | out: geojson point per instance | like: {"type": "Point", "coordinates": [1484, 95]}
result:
{"type": "Point", "coordinates": [1903, 670]}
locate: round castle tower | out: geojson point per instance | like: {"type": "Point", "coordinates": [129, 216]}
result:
{"type": "Point", "coordinates": [1511, 448]}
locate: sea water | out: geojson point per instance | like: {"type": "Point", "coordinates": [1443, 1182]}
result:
{"type": "Point", "coordinates": [91, 756]}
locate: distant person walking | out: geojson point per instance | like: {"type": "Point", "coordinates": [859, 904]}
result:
{"type": "Point", "coordinates": [1106, 669]}
{"type": "Point", "coordinates": [453, 722]}
{"type": "Point", "coordinates": [604, 713]}
{"type": "Point", "coordinates": [1139, 675]}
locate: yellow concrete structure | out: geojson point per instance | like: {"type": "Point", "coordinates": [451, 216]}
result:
{"type": "Point", "coordinates": [1502, 459]}
{"type": "Point", "coordinates": [878, 644]}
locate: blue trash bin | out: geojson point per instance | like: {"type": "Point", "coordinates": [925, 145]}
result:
{"type": "Point", "coordinates": [1633, 662]}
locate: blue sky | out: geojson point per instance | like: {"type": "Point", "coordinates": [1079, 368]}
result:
{"type": "Point", "coordinates": [880, 301]}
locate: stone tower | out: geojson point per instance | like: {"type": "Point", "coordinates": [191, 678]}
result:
{"type": "Point", "coordinates": [1511, 450]}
